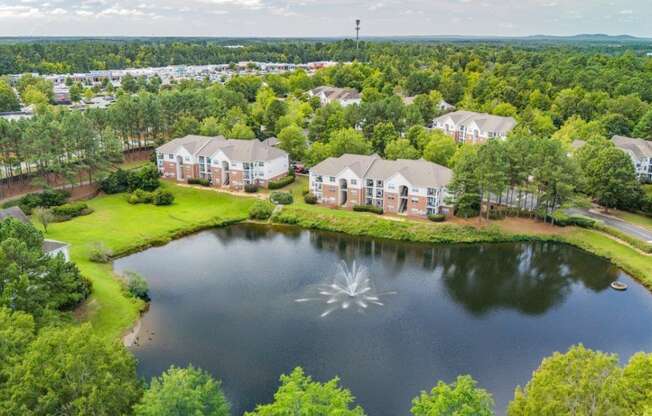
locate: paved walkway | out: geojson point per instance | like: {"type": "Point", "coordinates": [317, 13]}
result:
{"type": "Point", "coordinates": [622, 225]}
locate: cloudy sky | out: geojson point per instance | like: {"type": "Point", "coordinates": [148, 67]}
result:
{"type": "Point", "coordinates": [323, 17]}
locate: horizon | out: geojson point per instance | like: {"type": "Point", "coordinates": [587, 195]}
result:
{"type": "Point", "coordinates": [312, 19]}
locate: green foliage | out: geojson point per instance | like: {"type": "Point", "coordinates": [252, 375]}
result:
{"type": "Point", "coordinates": [281, 182]}
{"type": "Point", "coordinates": [241, 131]}
{"type": "Point", "coordinates": [292, 140]}
{"type": "Point", "coordinates": [437, 217]}
{"type": "Point", "coordinates": [147, 179]}
{"type": "Point", "coordinates": [140, 197]}
{"type": "Point", "coordinates": [585, 382]}
{"type": "Point", "coordinates": [46, 199]}
{"type": "Point", "coordinates": [31, 281]}
{"type": "Point", "coordinates": [137, 285]}
{"type": "Point", "coordinates": [440, 148]}
{"type": "Point", "coordinates": [163, 197]}
{"type": "Point", "coordinates": [368, 208]}
{"type": "Point", "coordinates": [43, 216]}
{"type": "Point", "coordinates": [261, 210]}
{"type": "Point", "coordinates": [299, 394]}
{"type": "Point", "coordinates": [281, 198]}
{"type": "Point", "coordinates": [401, 149]}
{"type": "Point", "coordinates": [183, 391]}
{"type": "Point", "coordinates": [251, 188]}
{"type": "Point", "coordinates": [71, 210]}
{"type": "Point", "coordinates": [8, 98]}
{"type": "Point", "coordinates": [461, 398]}
{"type": "Point", "coordinates": [348, 141]}
{"type": "Point", "coordinates": [100, 253]}
{"type": "Point", "coordinates": [611, 179]}
{"type": "Point", "coordinates": [199, 181]}
{"type": "Point", "coordinates": [71, 371]}
{"type": "Point", "coordinates": [310, 199]}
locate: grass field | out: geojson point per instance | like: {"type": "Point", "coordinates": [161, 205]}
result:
{"type": "Point", "coordinates": [638, 219]}
{"type": "Point", "coordinates": [125, 228]}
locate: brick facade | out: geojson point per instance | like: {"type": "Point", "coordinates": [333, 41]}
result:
{"type": "Point", "coordinates": [169, 169]}
{"type": "Point", "coordinates": [330, 195]}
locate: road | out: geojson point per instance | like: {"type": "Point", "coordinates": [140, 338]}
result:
{"type": "Point", "coordinates": [624, 226]}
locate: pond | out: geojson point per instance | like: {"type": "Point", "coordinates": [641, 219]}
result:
{"type": "Point", "coordinates": [248, 303]}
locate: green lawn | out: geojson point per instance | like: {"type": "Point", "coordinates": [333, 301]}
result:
{"type": "Point", "coordinates": [638, 219]}
{"type": "Point", "coordinates": [125, 228]}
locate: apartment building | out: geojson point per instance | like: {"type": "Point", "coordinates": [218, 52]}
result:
{"type": "Point", "coordinates": [409, 187]}
{"type": "Point", "coordinates": [344, 96]}
{"type": "Point", "coordinates": [470, 127]}
{"type": "Point", "coordinates": [640, 151]}
{"type": "Point", "coordinates": [224, 162]}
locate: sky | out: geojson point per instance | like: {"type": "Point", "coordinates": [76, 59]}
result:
{"type": "Point", "coordinates": [310, 18]}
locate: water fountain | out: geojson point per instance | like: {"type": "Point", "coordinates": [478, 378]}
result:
{"type": "Point", "coordinates": [351, 287]}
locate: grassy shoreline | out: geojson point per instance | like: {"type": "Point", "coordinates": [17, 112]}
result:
{"type": "Point", "coordinates": [126, 229]}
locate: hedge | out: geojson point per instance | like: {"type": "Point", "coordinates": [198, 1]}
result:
{"type": "Point", "coordinates": [251, 188]}
{"type": "Point", "coordinates": [46, 199]}
{"type": "Point", "coordinates": [147, 178]}
{"type": "Point", "coordinates": [282, 198]}
{"type": "Point", "coordinates": [368, 208]}
{"type": "Point", "coordinates": [261, 210]}
{"type": "Point", "coordinates": [282, 182]}
{"type": "Point", "coordinates": [310, 199]}
{"type": "Point", "coordinates": [437, 217]}
{"type": "Point", "coordinates": [68, 211]}
{"type": "Point", "coordinates": [199, 181]}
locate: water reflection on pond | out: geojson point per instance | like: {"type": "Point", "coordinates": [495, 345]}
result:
{"type": "Point", "coordinates": [226, 300]}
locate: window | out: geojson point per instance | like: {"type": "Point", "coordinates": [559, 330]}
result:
{"type": "Point", "coordinates": [319, 179]}
{"type": "Point", "coordinates": [354, 182]}
{"type": "Point", "coordinates": [170, 156]}
{"type": "Point", "coordinates": [370, 182]}
{"type": "Point", "coordinates": [391, 187]}
{"type": "Point", "coordinates": [159, 155]}
{"type": "Point", "coordinates": [415, 189]}
{"type": "Point", "coordinates": [261, 164]}
{"type": "Point", "coordinates": [415, 200]}
{"type": "Point", "coordinates": [379, 184]}
{"type": "Point", "coordinates": [187, 158]}
{"type": "Point", "coordinates": [331, 178]}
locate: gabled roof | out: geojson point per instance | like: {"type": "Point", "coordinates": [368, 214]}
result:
{"type": "Point", "coordinates": [419, 173]}
{"type": "Point", "coordinates": [240, 150]}
{"type": "Point", "coordinates": [485, 122]}
{"type": "Point", "coordinates": [335, 93]}
{"type": "Point", "coordinates": [639, 148]}
{"type": "Point", "coordinates": [14, 212]}
{"type": "Point", "coordinates": [332, 166]}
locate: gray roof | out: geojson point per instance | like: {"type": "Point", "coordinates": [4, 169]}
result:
{"type": "Point", "coordinates": [272, 141]}
{"type": "Point", "coordinates": [240, 150]}
{"type": "Point", "coordinates": [14, 212]}
{"type": "Point", "coordinates": [576, 144]}
{"type": "Point", "coordinates": [419, 173]}
{"type": "Point", "coordinates": [335, 93]}
{"type": "Point", "coordinates": [52, 245]}
{"type": "Point", "coordinates": [486, 122]}
{"type": "Point", "coordinates": [359, 164]}
{"type": "Point", "coordinates": [639, 148]}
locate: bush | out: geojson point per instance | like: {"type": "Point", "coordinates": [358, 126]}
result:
{"type": "Point", "coordinates": [140, 197]}
{"type": "Point", "coordinates": [437, 217]}
{"type": "Point", "coordinates": [251, 188]}
{"type": "Point", "coordinates": [562, 219]}
{"type": "Point", "coordinates": [310, 199]}
{"type": "Point", "coordinates": [100, 253]}
{"type": "Point", "coordinates": [46, 199]}
{"type": "Point", "coordinates": [137, 286]}
{"type": "Point", "coordinates": [368, 208]}
{"type": "Point", "coordinates": [68, 211]}
{"type": "Point", "coordinates": [282, 198]}
{"type": "Point", "coordinates": [147, 178]}
{"type": "Point", "coordinates": [280, 183]}
{"type": "Point", "coordinates": [163, 197]}
{"type": "Point", "coordinates": [261, 210]}
{"type": "Point", "coordinates": [199, 181]}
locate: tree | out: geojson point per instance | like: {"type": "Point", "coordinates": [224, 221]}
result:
{"type": "Point", "coordinates": [183, 391]}
{"type": "Point", "coordinates": [318, 152]}
{"type": "Point", "coordinates": [348, 141]}
{"type": "Point", "coordinates": [71, 371]}
{"type": "Point", "coordinates": [292, 140]}
{"type": "Point", "coordinates": [44, 217]}
{"type": "Point", "coordinates": [275, 110]}
{"type": "Point", "coordinates": [241, 131]}
{"type": "Point", "coordinates": [34, 96]}
{"type": "Point", "coordinates": [579, 382]}
{"type": "Point", "coordinates": [184, 126]}
{"type": "Point", "coordinates": [440, 148]}
{"type": "Point", "coordinates": [490, 170]}
{"type": "Point", "coordinates": [464, 187]}
{"type": "Point", "coordinates": [637, 384]}
{"type": "Point", "coordinates": [461, 398]}
{"type": "Point", "coordinates": [8, 98]}
{"type": "Point", "coordinates": [420, 82]}
{"type": "Point", "coordinates": [17, 331]}
{"type": "Point", "coordinates": [400, 149]}
{"type": "Point", "coordinates": [300, 395]}
{"type": "Point", "coordinates": [129, 84]}
{"type": "Point", "coordinates": [383, 134]}
{"type": "Point", "coordinates": [326, 120]}
{"type": "Point", "coordinates": [210, 126]}
{"type": "Point", "coordinates": [644, 127]}
{"type": "Point", "coordinates": [611, 179]}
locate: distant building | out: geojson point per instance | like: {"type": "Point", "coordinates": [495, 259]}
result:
{"type": "Point", "coordinates": [409, 187]}
{"type": "Point", "coordinates": [62, 95]}
{"type": "Point", "coordinates": [640, 151]}
{"type": "Point", "coordinates": [50, 247]}
{"type": "Point", "coordinates": [344, 96]}
{"type": "Point", "coordinates": [443, 106]}
{"type": "Point", "coordinates": [470, 127]}
{"type": "Point", "coordinates": [224, 162]}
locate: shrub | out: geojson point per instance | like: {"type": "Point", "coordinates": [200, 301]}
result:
{"type": "Point", "coordinates": [140, 197]}
{"type": "Point", "coordinates": [282, 198]}
{"type": "Point", "coordinates": [137, 286]}
{"type": "Point", "coordinates": [68, 211]}
{"type": "Point", "coordinates": [251, 188]}
{"type": "Point", "coordinates": [310, 199]}
{"type": "Point", "coordinates": [437, 217]}
{"type": "Point", "coordinates": [46, 199]}
{"type": "Point", "coordinates": [163, 197]}
{"type": "Point", "coordinates": [147, 178]}
{"type": "Point", "coordinates": [261, 210]}
{"type": "Point", "coordinates": [117, 182]}
{"type": "Point", "coordinates": [562, 219]}
{"type": "Point", "coordinates": [280, 183]}
{"type": "Point", "coordinates": [100, 253]}
{"type": "Point", "coordinates": [368, 208]}
{"type": "Point", "coordinates": [199, 181]}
